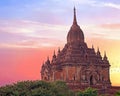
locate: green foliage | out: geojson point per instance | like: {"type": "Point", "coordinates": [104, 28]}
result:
{"type": "Point", "coordinates": [87, 92]}
{"type": "Point", "coordinates": [36, 88]}
{"type": "Point", "coordinates": [60, 89]}
{"type": "Point", "coordinates": [80, 93]}
{"type": "Point", "coordinates": [105, 95]}
{"type": "Point", "coordinates": [118, 93]}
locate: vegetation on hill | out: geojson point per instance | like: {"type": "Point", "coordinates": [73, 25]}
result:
{"type": "Point", "coordinates": [42, 88]}
{"type": "Point", "coordinates": [118, 93]}
{"type": "Point", "coordinates": [36, 88]}
{"type": "Point", "coordinates": [87, 92]}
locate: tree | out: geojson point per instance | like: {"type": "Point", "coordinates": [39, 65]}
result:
{"type": "Point", "coordinates": [87, 92]}
{"type": "Point", "coordinates": [61, 89]}
{"type": "Point", "coordinates": [117, 93]}
{"type": "Point", "coordinates": [80, 93]}
{"type": "Point", "coordinates": [36, 88]}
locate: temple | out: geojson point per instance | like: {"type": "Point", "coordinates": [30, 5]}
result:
{"type": "Point", "coordinates": [76, 64]}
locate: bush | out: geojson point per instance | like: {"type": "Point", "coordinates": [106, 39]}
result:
{"type": "Point", "coordinates": [87, 92]}
{"type": "Point", "coordinates": [36, 88]}
{"type": "Point", "coordinates": [118, 93]}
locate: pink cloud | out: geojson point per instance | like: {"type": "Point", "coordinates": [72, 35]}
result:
{"type": "Point", "coordinates": [105, 31]}
{"type": "Point", "coordinates": [32, 34]}
{"type": "Point", "coordinates": [33, 43]}
{"type": "Point", "coordinates": [111, 26]}
{"type": "Point", "coordinates": [32, 28]}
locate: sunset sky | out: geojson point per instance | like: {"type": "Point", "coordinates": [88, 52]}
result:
{"type": "Point", "coordinates": [30, 30]}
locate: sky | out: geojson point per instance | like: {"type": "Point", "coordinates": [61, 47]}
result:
{"type": "Point", "coordinates": [30, 30]}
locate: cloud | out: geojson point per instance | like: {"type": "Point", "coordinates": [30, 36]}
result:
{"type": "Point", "coordinates": [111, 26]}
{"type": "Point", "coordinates": [109, 31]}
{"type": "Point", "coordinates": [97, 3]}
{"type": "Point", "coordinates": [34, 34]}
{"type": "Point", "coordinates": [84, 1]}
{"type": "Point", "coordinates": [31, 34]}
{"type": "Point", "coordinates": [31, 28]}
{"type": "Point", "coordinates": [112, 5]}
{"type": "Point", "coordinates": [16, 26]}
{"type": "Point", "coordinates": [105, 4]}
{"type": "Point", "coordinates": [104, 31]}
{"type": "Point", "coordinates": [33, 43]}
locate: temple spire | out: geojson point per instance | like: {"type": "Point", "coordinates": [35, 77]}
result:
{"type": "Point", "coordinates": [75, 33]}
{"type": "Point", "coordinates": [92, 47]}
{"type": "Point", "coordinates": [74, 20]}
{"type": "Point", "coordinates": [98, 51]}
{"type": "Point", "coordinates": [54, 55]}
{"type": "Point", "coordinates": [47, 57]}
{"type": "Point", "coordinates": [58, 50]}
{"type": "Point", "coordinates": [105, 54]}
{"type": "Point", "coordinates": [105, 57]}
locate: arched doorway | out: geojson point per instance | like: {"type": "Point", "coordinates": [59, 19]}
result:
{"type": "Point", "coordinates": [91, 80]}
